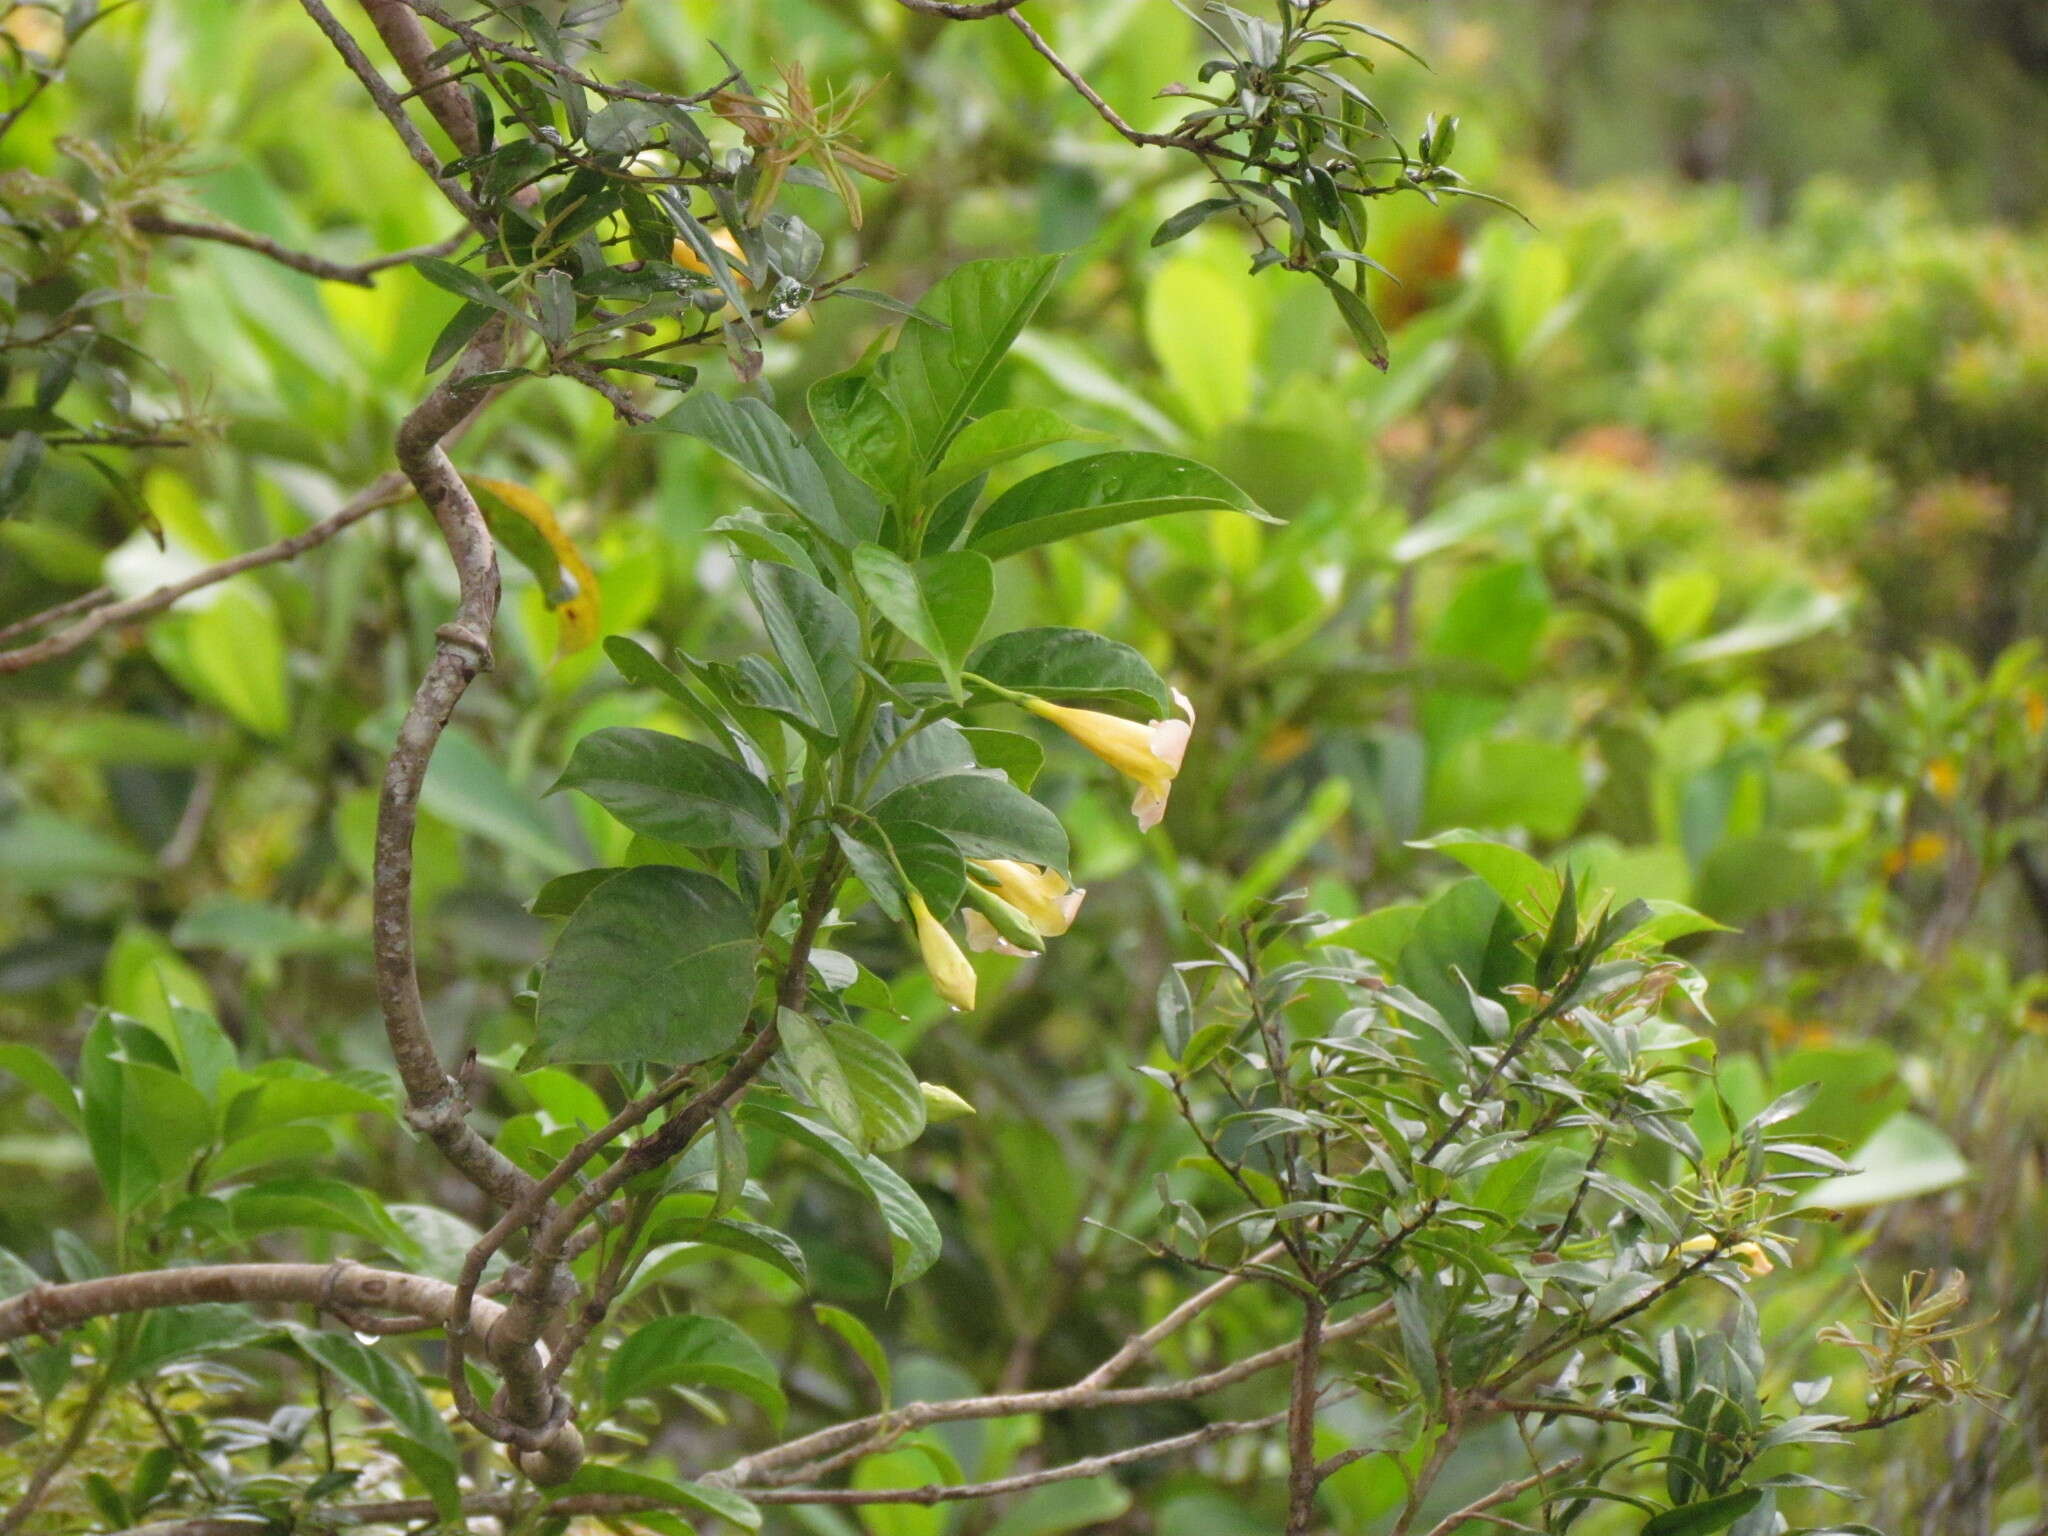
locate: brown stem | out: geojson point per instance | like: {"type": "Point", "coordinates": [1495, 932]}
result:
{"type": "Point", "coordinates": [385, 491]}
{"type": "Point", "coordinates": [63, 610]}
{"type": "Point", "coordinates": [412, 50]}
{"type": "Point", "coordinates": [359, 273]}
{"type": "Point", "coordinates": [1501, 1495]}
{"type": "Point", "coordinates": [1303, 1476]}
{"type": "Point", "coordinates": [1077, 1396]}
{"type": "Point", "coordinates": [435, 1104]}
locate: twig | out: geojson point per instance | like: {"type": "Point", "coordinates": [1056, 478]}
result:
{"type": "Point", "coordinates": [949, 1493]}
{"type": "Point", "coordinates": [955, 10]}
{"type": "Point", "coordinates": [1078, 1395]}
{"type": "Point", "coordinates": [359, 273]}
{"type": "Point", "coordinates": [63, 610]}
{"type": "Point", "coordinates": [475, 39]}
{"type": "Point", "coordinates": [1501, 1495]}
{"type": "Point", "coordinates": [386, 490]}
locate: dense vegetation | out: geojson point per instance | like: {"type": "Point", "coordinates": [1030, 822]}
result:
{"type": "Point", "coordinates": [1556, 546]}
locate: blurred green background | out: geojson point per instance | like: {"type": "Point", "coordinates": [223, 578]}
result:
{"type": "Point", "coordinates": [1698, 533]}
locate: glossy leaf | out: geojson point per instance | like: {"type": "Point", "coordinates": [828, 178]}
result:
{"type": "Point", "coordinates": [1103, 490]}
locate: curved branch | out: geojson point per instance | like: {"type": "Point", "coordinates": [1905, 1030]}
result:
{"type": "Point", "coordinates": [435, 1104]}
{"type": "Point", "coordinates": [385, 491]}
{"type": "Point", "coordinates": [358, 273]}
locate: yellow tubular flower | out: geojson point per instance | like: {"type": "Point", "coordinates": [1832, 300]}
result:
{"type": "Point", "coordinates": [1754, 1261]}
{"type": "Point", "coordinates": [1044, 897]}
{"type": "Point", "coordinates": [983, 937]}
{"type": "Point", "coordinates": [951, 972]}
{"type": "Point", "coordinates": [1149, 754]}
{"type": "Point", "coordinates": [1751, 1256]}
{"type": "Point", "coordinates": [684, 255]}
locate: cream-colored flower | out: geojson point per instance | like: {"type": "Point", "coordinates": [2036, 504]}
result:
{"type": "Point", "coordinates": [1042, 895]}
{"type": "Point", "coordinates": [951, 971]}
{"type": "Point", "coordinates": [1149, 754]}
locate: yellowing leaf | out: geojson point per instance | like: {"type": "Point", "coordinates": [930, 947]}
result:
{"type": "Point", "coordinates": [525, 524]}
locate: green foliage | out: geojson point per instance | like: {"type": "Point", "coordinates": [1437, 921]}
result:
{"type": "Point", "coordinates": [1662, 612]}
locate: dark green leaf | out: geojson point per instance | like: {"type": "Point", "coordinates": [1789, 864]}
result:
{"type": "Point", "coordinates": [679, 791]}
{"type": "Point", "coordinates": [656, 965]}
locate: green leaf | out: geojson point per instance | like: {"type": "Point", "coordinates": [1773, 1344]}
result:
{"type": "Point", "coordinates": [1904, 1158]}
{"type": "Point", "coordinates": [1017, 756]}
{"type": "Point", "coordinates": [1102, 490]}
{"type": "Point", "coordinates": [1363, 324]}
{"type": "Point", "coordinates": [327, 1205]}
{"type": "Point", "coordinates": [1514, 875]}
{"type": "Point", "coordinates": [865, 427]}
{"type": "Point", "coordinates": [1088, 1503]}
{"type": "Point", "coordinates": [941, 603]}
{"type": "Point", "coordinates": [694, 1351]}
{"type": "Point", "coordinates": [467, 285]}
{"type": "Point", "coordinates": [680, 791]}
{"type": "Point", "coordinates": [143, 1123]}
{"type": "Point", "coordinates": [751, 435]}
{"type": "Point", "coordinates": [997, 438]}
{"type": "Point", "coordinates": [775, 1249]}
{"type": "Point", "coordinates": [170, 1334]}
{"type": "Point", "coordinates": [18, 469]}
{"type": "Point", "coordinates": [40, 1074]}
{"type": "Point", "coordinates": [913, 1236]}
{"type": "Point", "coordinates": [890, 1112]}
{"type": "Point", "coordinates": [593, 1477]}
{"type": "Point", "coordinates": [1705, 1517]}
{"type": "Point", "coordinates": [816, 1066]}
{"type": "Point", "coordinates": [1074, 666]}
{"type": "Point", "coordinates": [1468, 932]}
{"type": "Point", "coordinates": [985, 816]}
{"type": "Point", "coordinates": [656, 965]}
{"type": "Point", "coordinates": [937, 372]}
{"type": "Point", "coordinates": [861, 1341]}
{"type": "Point", "coordinates": [392, 1387]}
{"type": "Point", "coordinates": [818, 640]}
{"type": "Point", "coordinates": [565, 893]}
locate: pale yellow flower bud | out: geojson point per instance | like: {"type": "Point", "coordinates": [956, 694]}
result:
{"type": "Point", "coordinates": [1148, 754]}
{"type": "Point", "coordinates": [951, 971]}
